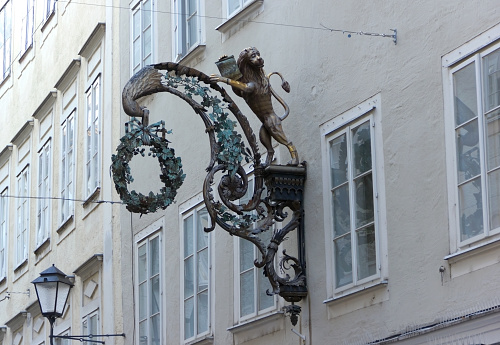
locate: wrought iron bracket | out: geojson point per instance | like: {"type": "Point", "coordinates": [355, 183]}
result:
{"type": "Point", "coordinates": [87, 338]}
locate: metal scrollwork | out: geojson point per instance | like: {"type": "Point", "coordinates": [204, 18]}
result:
{"type": "Point", "coordinates": [277, 193]}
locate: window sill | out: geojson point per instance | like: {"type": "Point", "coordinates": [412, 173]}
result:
{"type": "Point", "coordinates": [40, 248]}
{"type": "Point", "coordinates": [358, 291]}
{"type": "Point", "coordinates": [266, 324]}
{"type": "Point", "coordinates": [4, 80]}
{"type": "Point", "coordinates": [207, 340]}
{"type": "Point", "coordinates": [474, 258]}
{"type": "Point", "coordinates": [47, 21]}
{"type": "Point", "coordinates": [21, 265]}
{"type": "Point", "coordinates": [3, 280]}
{"type": "Point", "coordinates": [65, 224]}
{"type": "Point", "coordinates": [25, 53]}
{"type": "Point", "coordinates": [192, 55]}
{"type": "Point", "coordinates": [92, 197]}
{"type": "Point", "coordinates": [249, 12]}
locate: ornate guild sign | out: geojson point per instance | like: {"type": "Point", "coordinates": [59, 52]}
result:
{"type": "Point", "coordinates": [277, 195]}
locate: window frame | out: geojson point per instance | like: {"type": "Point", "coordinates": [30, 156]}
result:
{"type": "Point", "coordinates": [242, 4]}
{"type": "Point", "coordinates": [86, 320]}
{"type": "Point", "coordinates": [137, 7]}
{"type": "Point", "coordinates": [67, 177]}
{"type": "Point", "coordinates": [179, 16]}
{"type": "Point", "coordinates": [23, 223]}
{"type": "Point", "coordinates": [93, 141]}
{"type": "Point", "coordinates": [49, 9]}
{"type": "Point", "coordinates": [27, 27]}
{"type": "Point", "coordinates": [4, 227]}
{"type": "Point", "coordinates": [368, 110]}
{"type": "Point", "coordinates": [6, 40]}
{"type": "Point", "coordinates": [146, 239]}
{"type": "Point", "coordinates": [44, 188]}
{"type": "Point", "coordinates": [195, 211]}
{"type": "Point", "coordinates": [472, 52]}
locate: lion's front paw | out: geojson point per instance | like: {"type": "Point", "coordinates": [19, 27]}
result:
{"type": "Point", "coordinates": [214, 78]}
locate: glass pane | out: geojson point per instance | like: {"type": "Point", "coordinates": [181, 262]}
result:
{"type": "Point", "coordinates": [491, 70]}
{"type": "Point", "coordinates": [232, 6]}
{"type": "Point", "coordinates": [362, 148]}
{"type": "Point", "coordinates": [155, 330]}
{"type": "Point", "coordinates": [146, 48]}
{"type": "Point", "coordinates": [192, 31]}
{"type": "Point", "coordinates": [188, 236]}
{"type": "Point", "coordinates": [188, 318]}
{"type": "Point", "coordinates": [364, 200]}
{"type": "Point", "coordinates": [189, 277]}
{"type": "Point", "coordinates": [146, 14]}
{"type": "Point", "coordinates": [154, 247]}
{"type": "Point", "coordinates": [340, 212]}
{"type": "Point", "coordinates": [367, 256]}
{"type": "Point", "coordinates": [202, 236]}
{"type": "Point", "coordinates": [494, 199]}
{"type": "Point", "coordinates": [203, 270]}
{"type": "Point", "coordinates": [137, 54]}
{"type": "Point", "coordinates": [155, 295]}
{"type": "Point", "coordinates": [143, 333]}
{"type": "Point", "coordinates": [247, 293]}
{"type": "Point", "coordinates": [493, 139]}
{"type": "Point", "coordinates": [471, 209]}
{"type": "Point", "coordinates": [468, 157]}
{"type": "Point", "coordinates": [343, 260]}
{"type": "Point", "coordinates": [203, 312]}
{"type": "Point", "coordinates": [143, 301]}
{"type": "Point", "coordinates": [464, 88]}
{"type": "Point", "coordinates": [142, 267]}
{"type": "Point", "coordinates": [47, 296]}
{"type": "Point", "coordinates": [338, 160]}
{"type": "Point", "coordinates": [265, 301]}
{"type": "Point", "coordinates": [136, 18]}
{"type": "Point", "coordinates": [246, 254]}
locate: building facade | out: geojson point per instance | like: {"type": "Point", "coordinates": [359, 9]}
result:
{"type": "Point", "coordinates": [402, 197]}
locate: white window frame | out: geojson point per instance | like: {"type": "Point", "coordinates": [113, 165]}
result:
{"type": "Point", "coordinates": [44, 187]}
{"type": "Point", "coordinates": [88, 331]}
{"type": "Point", "coordinates": [195, 212]}
{"type": "Point", "coordinates": [27, 27]}
{"type": "Point", "coordinates": [257, 273]}
{"type": "Point", "coordinates": [49, 8]}
{"type": "Point", "coordinates": [67, 184]}
{"type": "Point", "coordinates": [471, 52]}
{"type": "Point", "coordinates": [145, 58]}
{"type": "Point", "coordinates": [183, 44]}
{"type": "Point", "coordinates": [23, 216]}
{"type": "Point", "coordinates": [240, 5]}
{"type": "Point", "coordinates": [4, 224]}
{"type": "Point", "coordinates": [151, 234]}
{"type": "Point", "coordinates": [5, 41]}
{"type": "Point", "coordinates": [369, 110]}
{"type": "Point", "coordinates": [93, 137]}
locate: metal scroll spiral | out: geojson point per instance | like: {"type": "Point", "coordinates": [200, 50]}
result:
{"type": "Point", "coordinates": [227, 153]}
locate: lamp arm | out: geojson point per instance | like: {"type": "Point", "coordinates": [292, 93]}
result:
{"type": "Point", "coordinates": [81, 338]}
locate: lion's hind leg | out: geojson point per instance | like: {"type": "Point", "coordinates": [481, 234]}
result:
{"type": "Point", "coordinates": [265, 139]}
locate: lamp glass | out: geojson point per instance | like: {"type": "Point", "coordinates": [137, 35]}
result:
{"type": "Point", "coordinates": [52, 297]}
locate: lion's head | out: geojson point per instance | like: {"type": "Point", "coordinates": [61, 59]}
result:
{"type": "Point", "coordinates": [251, 66]}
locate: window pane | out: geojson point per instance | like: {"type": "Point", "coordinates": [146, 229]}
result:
{"type": "Point", "coordinates": [364, 200]}
{"type": "Point", "coordinates": [143, 301]}
{"type": "Point", "coordinates": [154, 247]}
{"type": "Point", "coordinates": [362, 149]}
{"type": "Point", "coordinates": [494, 199]}
{"type": "Point", "coordinates": [247, 293]}
{"type": "Point", "coordinates": [146, 14]}
{"type": "Point", "coordinates": [203, 312]}
{"type": "Point", "coordinates": [188, 277]}
{"type": "Point", "coordinates": [343, 260]}
{"type": "Point", "coordinates": [367, 257]}
{"type": "Point", "coordinates": [491, 69]}
{"type": "Point", "coordinates": [146, 48]}
{"type": "Point", "coordinates": [203, 270]}
{"type": "Point", "coordinates": [202, 236]}
{"type": "Point", "coordinates": [136, 19]}
{"type": "Point", "coordinates": [143, 333]}
{"type": "Point", "coordinates": [155, 330]}
{"type": "Point", "coordinates": [471, 209]}
{"type": "Point", "coordinates": [188, 236]}
{"type": "Point", "coordinates": [265, 301]}
{"type": "Point", "coordinates": [188, 318]}
{"type": "Point", "coordinates": [142, 267]}
{"type": "Point", "coordinates": [232, 6]}
{"type": "Point", "coordinates": [340, 212]}
{"type": "Point", "coordinates": [338, 160]}
{"type": "Point", "coordinates": [493, 140]}
{"type": "Point", "coordinates": [468, 157]}
{"type": "Point", "coordinates": [464, 87]}
{"type": "Point", "coordinates": [246, 254]}
{"type": "Point", "coordinates": [155, 295]}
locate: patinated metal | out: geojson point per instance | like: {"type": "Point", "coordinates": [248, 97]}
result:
{"type": "Point", "coordinates": [276, 203]}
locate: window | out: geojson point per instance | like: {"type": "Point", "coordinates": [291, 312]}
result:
{"type": "Point", "coordinates": [59, 341]}
{"type": "Point", "coordinates": [142, 34]}
{"type": "Point", "coordinates": [473, 137]}
{"type": "Point", "coordinates": [50, 6]}
{"type": "Point", "coordinates": [5, 34]}
{"type": "Point", "coordinates": [93, 138]}
{"type": "Point", "coordinates": [23, 216]}
{"type": "Point", "coordinates": [196, 282]}
{"type": "Point", "coordinates": [234, 6]}
{"type": "Point", "coordinates": [149, 301]}
{"type": "Point", "coordinates": [3, 233]}
{"type": "Point", "coordinates": [67, 167]}
{"type": "Point", "coordinates": [27, 27]}
{"type": "Point", "coordinates": [187, 27]}
{"type": "Point", "coordinates": [353, 206]}
{"type": "Point", "coordinates": [251, 283]}
{"type": "Point", "coordinates": [90, 325]}
{"type": "Point", "coordinates": [43, 206]}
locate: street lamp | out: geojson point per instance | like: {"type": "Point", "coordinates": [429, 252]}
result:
{"type": "Point", "coordinates": [52, 290]}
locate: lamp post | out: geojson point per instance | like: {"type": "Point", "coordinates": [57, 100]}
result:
{"type": "Point", "coordinates": [52, 290]}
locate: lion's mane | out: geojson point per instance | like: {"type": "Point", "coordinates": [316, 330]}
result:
{"type": "Point", "coordinates": [250, 72]}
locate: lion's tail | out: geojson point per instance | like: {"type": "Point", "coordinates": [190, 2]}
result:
{"type": "Point", "coordinates": [286, 87]}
